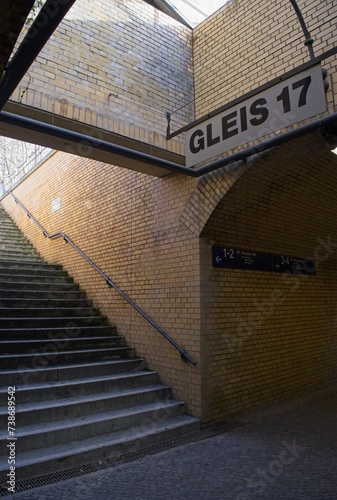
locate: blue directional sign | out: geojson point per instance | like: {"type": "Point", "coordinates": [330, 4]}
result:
{"type": "Point", "coordinates": [293, 265]}
{"type": "Point", "coordinates": [241, 259]}
{"type": "Point", "coordinates": [233, 258]}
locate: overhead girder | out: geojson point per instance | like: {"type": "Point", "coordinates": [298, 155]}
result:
{"type": "Point", "coordinates": [116, 151]}
{"type": "Point", "coordinates": [43, 26]}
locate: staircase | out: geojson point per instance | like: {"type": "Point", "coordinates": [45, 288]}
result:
{"type": "Point", "coordinates": [81, 395]}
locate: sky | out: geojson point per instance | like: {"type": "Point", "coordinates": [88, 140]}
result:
{"type": "Point", "coordinates": [196, 11]}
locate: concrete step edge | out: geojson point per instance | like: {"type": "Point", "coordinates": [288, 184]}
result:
{"type": "Point", "coordinates": [46, 312]}
{"type": "Point", "coordinates": [36, 390]}
{"type": "Point", "coordinates": [74, 454]}
{"type": "Point", "coordinates": [5, 270]}
{"type": "Point", "coordinates": [51, 303]}
{"type": "Point", "coordinates": [71, 371]}
{"type": "Point", "coordinates": [79, 381]}
{"type": "Point", "coordinates": [25, 293]}
{"type": "Point", "coordinates": [57, 340]}
{"type": "Point", "coordinates": [70, 351]}
{"type": "Point", "coordinates": [52, 318]}
{"type": "Point", "coordinates": [34, 277]}
{"type": "Point", "coordinates": [44, 342]}
{"type": "Point", "coordinates": [81, 427]}
{"type": "Point", "coordinates": [86, 399]}
{"type": "Point", "coordinates": [41, 264]}
{"type": "Point", "coordinates": [54, 330]}
{"type": "Point", "coordinates": [38, 286]}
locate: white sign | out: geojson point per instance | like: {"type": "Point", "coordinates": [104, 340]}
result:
{"type": "Point", "coordinates": [290, 101]}
{"type": "Point", "coordinates": [56, 205]}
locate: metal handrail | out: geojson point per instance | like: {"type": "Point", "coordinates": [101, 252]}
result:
{"type": "Point", "coordinates": [183, 354]}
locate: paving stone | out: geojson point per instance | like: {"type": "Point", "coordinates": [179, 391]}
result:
{"type": "Point", "coordinates": [285, 451]}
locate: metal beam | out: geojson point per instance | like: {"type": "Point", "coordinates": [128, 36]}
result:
{"type": "Point", "coordinates": [75, 137]}
{"type": "Point", "coordinates": [50, 16]}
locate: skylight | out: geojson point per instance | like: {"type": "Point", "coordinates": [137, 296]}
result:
{"type": "Point", "coordinates": [195, 11]}
{"type": "Point", "coordinates": [190, 12]}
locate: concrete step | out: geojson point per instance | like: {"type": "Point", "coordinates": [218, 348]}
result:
{"type": "Point", "coordinates": [42, 345]}
{"type": "Point", "coordinates": [62, 431]}
{"type": "Point", "coordinates": [16, 243]}
{"type": "Point", "coordinates": [156, 428]}
{"type": "Point", "coordinates": [65, 293]}
{"type": "Point", "coordinates": [57, 335]}
{"type": "Point", "coordinates": [46, 303]}
{"type": "Point", "coordinates": [72, 407]}
{"type": "Point", "coordinates": [81, 394]}
{"type": "Point", "coordinates": [7, 226]}
{"type": "Point", "coordinates": [32, 278]}
{"type": "Point", "coordinates": [58, 357]}
{"type": "Point", "coordinates": [52, 322]}
{"type": "Point", "coordinates": [42, 287]}
{"type": "Point", "coordinates": [79, 387]}
{"type": "Point", "coordinates": [17, 247]}
{"type": "Point", "coordinates": [49, 272]}
{"type": "Point", "coordinates": [10, 264]}
{"type": "Point", "coordinates": [8, 223]}
{"type": "Point", "coordinates": [39, 373]}
{"type": "Point", "coordinates": [50, 312]}
{"type": "Point", "coordinates": [20, 258]}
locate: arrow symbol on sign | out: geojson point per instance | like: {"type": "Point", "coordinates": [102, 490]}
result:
{"type": "Point", "coordinates": [218, 259]}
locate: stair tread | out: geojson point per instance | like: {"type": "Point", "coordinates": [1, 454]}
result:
{"type": "Point", "coordinates": [53, 329]}
{"type": "Point", "coordinates": [19, 290]}
{"type": "Point", "coordinates": [24, 258]}
{"type": "Point", "coordinates": [34, 278]}
{"type": "Point", "coordinates": [28, 271]}
{"type": "Point", "coordinates": [65, 309]}
{"type": "Point", "coordinates": [20, 300]}
{"type": "Point", "coordinates": [71, 351]}
{"type": "Point", "coordinates": [37, 285]}
{"type": "Point", "coordinates": [102, 442]}
{"type": "Point", "coordinates": [71, 366]}
{"type": "Point", "coordinates": [69, 423]}
{"type": "Point", "coordinates": [83, 398]}
{"type": "Point", "coordinates": [52, 318]}
{"type": "Point", "coordinates": [34, 264]}
{"type": "Point", "coordinates": [49, 309]}
{"type": "Point", "coordinates": [52, 341]}
{"type": "Point", "coordinates": [78, 381]}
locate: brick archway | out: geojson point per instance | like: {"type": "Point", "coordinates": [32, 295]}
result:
{"type": "Point", "coordinates": [210, 190]}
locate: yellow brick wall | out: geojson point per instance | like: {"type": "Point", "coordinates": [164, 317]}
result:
{"type": "Point", "coordinates": [248, 43]}
{"type": "Point", "coordinates": [128, 224]}
{"type": "Point", "coordinates": [264, 336]}
{"type": "Point", "coordinates": [257, 336]}
{"type": "Point", "coordinates": [267, 335]}
{"type": "Point", "coordinates": [117, 65]}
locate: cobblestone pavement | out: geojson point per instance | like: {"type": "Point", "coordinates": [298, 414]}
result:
{"type": "Point", "coordinates": [286, 451]}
